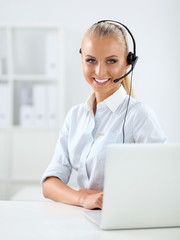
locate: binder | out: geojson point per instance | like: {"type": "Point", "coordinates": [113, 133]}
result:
{"type": "Point", "coordinates": [26, 107]}
{"type": "Point", "coordinates": [38, 107]}
{"type": "Point", "coordinates": [26, 94]}
{"type": "Point", "coordinates": [1, 66]}
{"type": "Point", "coordinates": [39, 103]}
{"type": "Point", "coordinates": [4, 106]}
{"type": "Point", "coordinates": [52, 107]}
{"type": "Point", "coordinates": [26, 115]}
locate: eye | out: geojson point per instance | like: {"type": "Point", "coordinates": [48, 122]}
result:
{"type": "Point", "coordinates": [90, 60]}
{"type": "Point", "coordinates": [111, 61]}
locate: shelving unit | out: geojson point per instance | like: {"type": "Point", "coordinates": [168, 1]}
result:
{"type": "Point", "coordinates": [31, 100]}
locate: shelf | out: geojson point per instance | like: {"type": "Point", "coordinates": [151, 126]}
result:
{"type": "Point", "coordinates": [33, 77]}
{"type": "Point", "coordinates": [31, 99]}
{"type": "Point", "coordinates": [30, 59]}
{"type": "Point", "coordinates": [27, 77]}
{"type": "Point", "coordinates": [4, 77]}
{"type": "Point", "coordinates": [19, 129]}
{"type": "Point", "coordinates": [35, 51]}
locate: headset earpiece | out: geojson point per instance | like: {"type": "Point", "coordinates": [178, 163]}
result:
{"type": "Point", "coordinates": [131, 58]}
{"type": "Point", "coordinates": [80, 51]}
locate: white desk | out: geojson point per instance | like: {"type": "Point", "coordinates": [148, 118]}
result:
{"type": "Point", "coordinates": [50, 220]}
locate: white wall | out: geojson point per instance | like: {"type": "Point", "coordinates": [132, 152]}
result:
{"type": "Point", "coordinates": [155, 25]}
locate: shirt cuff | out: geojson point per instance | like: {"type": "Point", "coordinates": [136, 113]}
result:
{"type": "Point", "coordinates": [60, 171]}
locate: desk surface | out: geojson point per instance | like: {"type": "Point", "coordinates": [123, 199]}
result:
{"type": "Point", "coordinates": [50, 220]}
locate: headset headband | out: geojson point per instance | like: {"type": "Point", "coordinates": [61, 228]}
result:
{"type": "Point", "coordinates": [131, 58]}
{"type": "Point", "coordinates": [116, 22]}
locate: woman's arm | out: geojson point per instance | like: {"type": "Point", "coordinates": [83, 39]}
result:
{"type": "Point", "coordinates": [56, 190]}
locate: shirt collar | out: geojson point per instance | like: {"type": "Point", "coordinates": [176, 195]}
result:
{"type": "Point", "coordinates": [112, 102]}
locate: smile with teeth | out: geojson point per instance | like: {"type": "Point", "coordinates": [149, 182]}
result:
{"type": "Point", "coordinates": [101, 80]}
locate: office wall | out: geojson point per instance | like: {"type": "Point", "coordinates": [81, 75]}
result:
{"type": "Point", "coordinates": [155, 25]}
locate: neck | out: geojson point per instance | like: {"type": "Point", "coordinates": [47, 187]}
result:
{"type": "Point", "coordinates": [94, 107]}
{"type": "Point", "coordinates": [100, 97]}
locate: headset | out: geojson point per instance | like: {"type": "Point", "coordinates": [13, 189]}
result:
{"type": "Point", "coordinates": [131, 60]}
{"type": "Point", "coordinates": [131, 57]}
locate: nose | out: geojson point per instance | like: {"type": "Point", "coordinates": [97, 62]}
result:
{"type": "Point", "coordinates": [100, 70]}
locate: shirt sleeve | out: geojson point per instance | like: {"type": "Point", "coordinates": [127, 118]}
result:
{"type": "Point", "coordinates": [146, 127]}
{"type": "Point", "coordinates": [60, 165]}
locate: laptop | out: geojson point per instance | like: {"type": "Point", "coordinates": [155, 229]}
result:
{"type": "Point", "coordinates": [141, 188]}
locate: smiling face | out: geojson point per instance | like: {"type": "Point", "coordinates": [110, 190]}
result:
{"type": "Point", "coordinates": [103, 61]}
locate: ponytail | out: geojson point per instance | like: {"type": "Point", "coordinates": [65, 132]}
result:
{"type": "Point", "coordinates": [127, 84]}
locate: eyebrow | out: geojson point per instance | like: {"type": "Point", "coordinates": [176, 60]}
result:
{"type": "Point", "coordinates": [89, 56]}
{"type": "Point", "coordinates": [113, 56]}
{"type": "Point", "coordinates": [106, 57]}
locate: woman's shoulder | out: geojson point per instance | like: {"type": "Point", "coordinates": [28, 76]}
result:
{"type": "Point", "coordinates": [139, 107]}
{"type": "Point", "coordinates": [145, 124]}
{"type": "Point", "coordinates": [76, 110]}
{"type": "Point", "coordinates": [139, 112]}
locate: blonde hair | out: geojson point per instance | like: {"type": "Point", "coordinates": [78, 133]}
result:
{"type": "Point", "coordinates": [108, 29]}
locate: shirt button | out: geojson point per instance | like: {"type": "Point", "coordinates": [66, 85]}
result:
{"type": "Point", "coordinates": [101, 134]}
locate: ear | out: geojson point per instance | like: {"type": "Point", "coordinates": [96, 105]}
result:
{"type": "Point", "coordinates": [127, 66]}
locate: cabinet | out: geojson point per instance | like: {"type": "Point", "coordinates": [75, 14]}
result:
{"type": "Point", "coordinates": [31, 100]}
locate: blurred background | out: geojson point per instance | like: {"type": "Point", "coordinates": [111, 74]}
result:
{"type": "Point", "coordinates": [41, 76]}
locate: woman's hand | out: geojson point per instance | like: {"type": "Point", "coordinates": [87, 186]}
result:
{"type": "Point", "coordinates": [91, 199]}
{"type": "Point", "coordinates": [55, 189]}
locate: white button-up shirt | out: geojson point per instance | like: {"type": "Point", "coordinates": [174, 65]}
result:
{"type": "Point", "coordinates": [83, 139]}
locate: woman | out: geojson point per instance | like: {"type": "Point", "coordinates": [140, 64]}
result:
{"type": "Point", "coordinates": [91, 126]}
